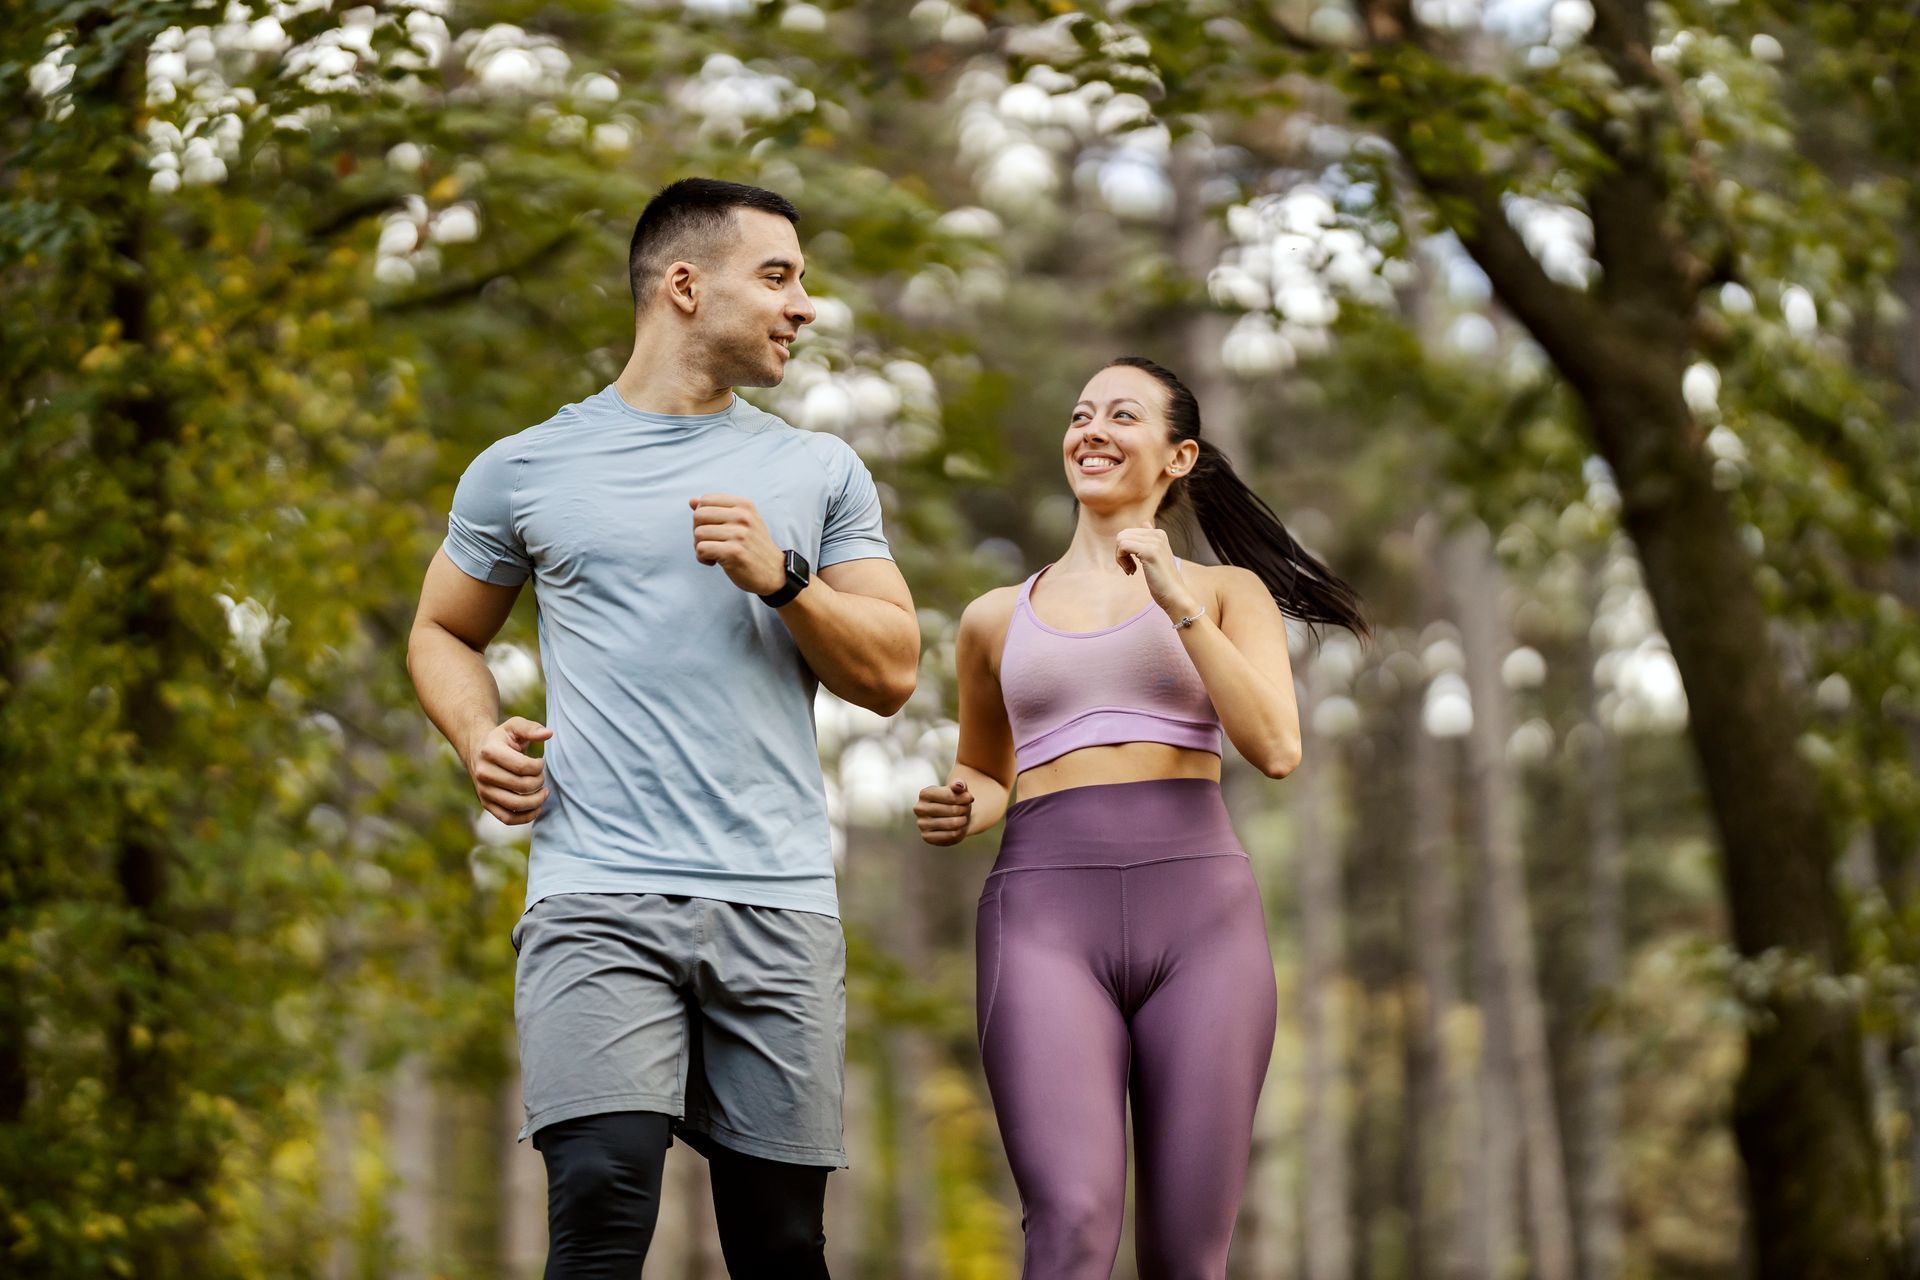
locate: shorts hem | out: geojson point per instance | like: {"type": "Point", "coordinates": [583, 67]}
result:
{"type": "Point", "coordinates": [764, 1148]}
{"type": "Point", "coordinates": [662, 1103]}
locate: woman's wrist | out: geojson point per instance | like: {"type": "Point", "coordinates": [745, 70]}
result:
{"type": "Point", "coordinates": [1178, 610]}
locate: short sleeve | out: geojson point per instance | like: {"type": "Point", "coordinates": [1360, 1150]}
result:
{"type": "Point", "coordinates": [852, 530]}
{"type": "Point", "coordinates": [481, 538]}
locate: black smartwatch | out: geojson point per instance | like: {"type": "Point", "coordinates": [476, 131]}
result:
{"type": "Point", "coordinates": [799, 574]}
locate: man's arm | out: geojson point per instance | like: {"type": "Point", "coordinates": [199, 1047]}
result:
{"type": "Point", "coordinates": [854, 623]}
{"type": "Point", "coordinates": [457, 618]}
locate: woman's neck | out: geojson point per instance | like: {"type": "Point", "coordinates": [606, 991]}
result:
{"type": "Point", "coordinates": [1095, 537]}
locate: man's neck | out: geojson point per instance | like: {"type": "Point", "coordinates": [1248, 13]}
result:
{"type": "Point", "coordinates": [656, 380]}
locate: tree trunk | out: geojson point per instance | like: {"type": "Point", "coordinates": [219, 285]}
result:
{"type": "Point", "coordinates": [1196, 242]}
{"type": "Point", "coordinates": [468, 1176]}
{"type": "Point", "coordinates": [686, 1245]}
{"type": "Point", "coordinates": [1801, 1115]}
{"type": "Point", "coordinates": [136, 433]}
{"type": "Point", "coordinates": [1327, 1230]}
{"type": "Point", "coordinates": [912, 1065]}
{"type": "Point", "coordinates": [1508, 927]}
{"type": "Point", "coordinates": [1600, 1226]}
{"type": "Point", "coordinates": [1266, 1237]}
{"type": "Point", "coordinates": [410, 1205]}
{"type": "Point", "coordinates": [1495, 1194]}
{"type": "Point", "coordinates": [1438, 1247]}
{"type": "Point", "coordinates": [523, 1190]}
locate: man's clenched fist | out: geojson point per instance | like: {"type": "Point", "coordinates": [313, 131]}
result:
{"type": "Point", "coordinates": [510, 783]}
{"type": "Point", "coordinates": [729, 532]}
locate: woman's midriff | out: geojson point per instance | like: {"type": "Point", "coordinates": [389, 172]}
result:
{"type": "Point", "coordinates": [1121, 762]}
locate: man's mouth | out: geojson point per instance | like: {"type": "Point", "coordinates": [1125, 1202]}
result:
{"type": "Point", "coordinates": [785, 344]}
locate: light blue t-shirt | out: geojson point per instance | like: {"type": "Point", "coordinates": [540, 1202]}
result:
{"type": "Point", "coordinates": [683, 757]}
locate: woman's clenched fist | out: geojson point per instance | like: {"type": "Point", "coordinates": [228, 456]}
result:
{"type": "Point", "coordinates": [944, 812]}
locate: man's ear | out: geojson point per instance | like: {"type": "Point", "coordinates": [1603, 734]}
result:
{"type": "Point", "coordinates": [682, 285]}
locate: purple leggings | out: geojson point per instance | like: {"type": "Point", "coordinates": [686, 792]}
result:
{"type": "Point", "coordinates": [1122, 951]}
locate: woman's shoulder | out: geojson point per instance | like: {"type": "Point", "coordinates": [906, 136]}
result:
{"type": "Point", "coordinates": [1223, 581]}
{"type": "Point", "coordinates": [992, 611]}
{"type": "Point", "coordinates": [1222, 577]}
{"type": "Point", "coordinates": [984, 622]}
{"type": "Point", "coordinates": [983, 629]}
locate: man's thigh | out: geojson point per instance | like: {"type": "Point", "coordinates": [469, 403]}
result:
{"type": "Point", "coordinates": [769, 1052]}
{"type": "Point", "coordinates": [597, 1002]}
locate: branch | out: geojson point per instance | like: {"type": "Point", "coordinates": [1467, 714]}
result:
{"type": "Point", "coordinates": [377, 200]}
{"type": "Point", "coordinates": [1389, 20]}
{"type": "Point", "coordinates": [454, 291]}
{"type": "Point", "coordinates": [1632, 241]}
{"type": "Point", "coordinates": [1621, 33]}
{"type": "Point", "coordinates": [1267, 23]}
{"type": "Point", "coordinates": [1563, 320]}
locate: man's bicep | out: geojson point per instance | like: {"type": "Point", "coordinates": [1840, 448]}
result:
{"type": "Point", "coordinates": [462, 605]}
{"type": "Point", "coordinates": [873, 576]}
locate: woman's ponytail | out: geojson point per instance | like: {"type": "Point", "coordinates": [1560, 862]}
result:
{"type": "Point", "coordinates": [1242, 529]}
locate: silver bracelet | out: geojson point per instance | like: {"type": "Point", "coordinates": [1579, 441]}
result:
{"type": "Point", "coordinates": [1189, 620]}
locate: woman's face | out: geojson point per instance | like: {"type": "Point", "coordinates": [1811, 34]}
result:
{"type": "Point", "coordinates": [1118, 449]}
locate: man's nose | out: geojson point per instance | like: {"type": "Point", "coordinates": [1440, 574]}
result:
{"type": "Point", "coordinates": [801, 312]}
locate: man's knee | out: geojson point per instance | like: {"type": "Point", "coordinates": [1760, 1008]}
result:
{"type": "Point", "coordinates": [770, 1216]}
{"type": "Point", "coordinates": [605, 1169]}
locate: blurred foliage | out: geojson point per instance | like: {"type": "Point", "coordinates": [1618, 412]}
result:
{"type": "Point", "coordinates": [270, 275]}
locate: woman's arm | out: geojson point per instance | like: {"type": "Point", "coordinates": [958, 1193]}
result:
{"type": "Point", "coordinates": [981, 780]}
{"type": "Point", "coordinates": [1243, 661]}
{"type": "Point", "coordinates": [1239, 646]}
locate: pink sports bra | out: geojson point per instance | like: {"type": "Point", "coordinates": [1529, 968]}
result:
{"type": "Point", "coordinates": [1131, 682]}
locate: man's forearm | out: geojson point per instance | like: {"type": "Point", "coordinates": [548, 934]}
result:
{"type": "Point", "coordinates": [864, 650]}
{"type": "Point", "coordinates": [455, 686]}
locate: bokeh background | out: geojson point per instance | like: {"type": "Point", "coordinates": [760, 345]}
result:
{"type": "Point", "coordinates": [1578, 334]}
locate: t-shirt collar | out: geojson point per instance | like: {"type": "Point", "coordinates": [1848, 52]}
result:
{"type": "Point", "coordinates": [675, 420]}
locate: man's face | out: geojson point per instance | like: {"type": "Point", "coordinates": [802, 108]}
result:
{"type": "Point", "coordinates": [754, 304]}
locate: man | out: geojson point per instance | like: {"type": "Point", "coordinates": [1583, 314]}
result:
{"type": "Point", "coordinates": [699, 566]}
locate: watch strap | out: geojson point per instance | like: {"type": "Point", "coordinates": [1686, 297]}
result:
{"type": "Point", "coordinates": [799, 574]}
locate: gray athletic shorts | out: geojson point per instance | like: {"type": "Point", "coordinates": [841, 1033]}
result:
{"type": "Point", "coordinates": [730, 1018]}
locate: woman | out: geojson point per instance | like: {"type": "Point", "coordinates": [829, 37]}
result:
{"type": "Point", "coordinates": [1121, 942]}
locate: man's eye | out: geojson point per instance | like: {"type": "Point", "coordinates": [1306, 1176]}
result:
{"type": "Point", "coordinates": [778, 279]}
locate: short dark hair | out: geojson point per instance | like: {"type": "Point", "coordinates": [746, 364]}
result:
{"type": "Point", "coordinates": [687, 218]}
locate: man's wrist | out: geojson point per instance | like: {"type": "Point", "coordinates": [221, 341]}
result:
{"type": "Point", "coordinates": [796, 576]}
{"type": "Point", "coordinates": [467, 746]}
{"type": "Point", "coordinates": [776, 574]}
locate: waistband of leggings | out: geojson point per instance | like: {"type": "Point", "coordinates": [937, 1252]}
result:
{"type": "Point", "coordinates": [1118, 824]}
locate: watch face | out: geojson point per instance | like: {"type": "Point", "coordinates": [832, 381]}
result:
{"type": "Point", "coordinates": [799, 572]}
